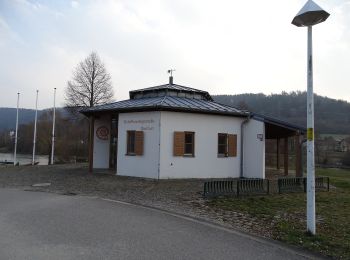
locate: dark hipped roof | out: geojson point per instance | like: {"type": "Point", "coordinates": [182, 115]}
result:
{"type": "Point", "coordinates": [173, 97]}
{"type": "Point", "coordinates": [167, 103]}
{"type": "Point", "coordinates": [169, 97]}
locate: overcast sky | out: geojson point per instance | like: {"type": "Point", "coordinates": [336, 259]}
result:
{"type": "Point", "coordinates": [223, 47]}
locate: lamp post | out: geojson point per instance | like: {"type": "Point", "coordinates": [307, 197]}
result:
{"type": "Point", "coordinates": [311, 14]}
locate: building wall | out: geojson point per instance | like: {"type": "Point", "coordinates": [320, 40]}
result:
{"type": "Point", "coordinates": [101, 147]}
{"type": "Point", "coordinates": [254, 149]}
{"type": "Point", "coordinates": [158, 161]}
{"type": "Point", "coordinates": [147, 165]}
{"type": "Point", "coordinates": [206, 163]}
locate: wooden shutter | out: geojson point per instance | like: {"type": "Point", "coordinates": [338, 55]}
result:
{"type": "Point", "coordinates": [179, 143]}
{"type": "Point", "coordinates": [232, 145]}
{"type": "Point", "coordinates": [139, 142]}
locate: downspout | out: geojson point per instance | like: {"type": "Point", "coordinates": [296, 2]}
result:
{"type": "Point", "coordinates": [242, 138]}
{"type": "Point", "coordinates": [160, 129]}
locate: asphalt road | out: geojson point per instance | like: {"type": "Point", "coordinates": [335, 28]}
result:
{"type": "Point", "coordinates": [36, 225]}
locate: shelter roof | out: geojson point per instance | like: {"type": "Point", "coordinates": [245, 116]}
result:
{"type": "Point", "coordinates": [276, 128]}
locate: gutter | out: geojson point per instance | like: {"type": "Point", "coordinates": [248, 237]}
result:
{"type": "Point", "coordinates": [242, 138]}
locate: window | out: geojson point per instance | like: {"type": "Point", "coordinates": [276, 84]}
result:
{"type": "Point", "coordinates": [222, 145]}
{"type": "Point", "coordinates": [227, 145]}
{"type": "Point", "coordinates": [131, 143]}
{"type": "Point", "coordinates": [189, 143]}
{"type": "Point", "coordinates": [134, 144]}
{"type": "Point", "coordinates": [184, 144]}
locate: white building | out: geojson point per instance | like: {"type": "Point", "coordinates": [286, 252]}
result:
{"type": "Point", "coordinates": [172, 131]}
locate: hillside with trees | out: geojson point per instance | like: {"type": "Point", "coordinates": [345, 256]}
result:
{"type": "Point", "coordinates": [8, 117]}
{"type": "Point", "coordinates": [25, 116]}
{"type": "Point", "coordinates": [331, 116]}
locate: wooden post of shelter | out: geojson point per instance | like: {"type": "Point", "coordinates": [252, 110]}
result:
{"type": "Point", "coordinates": [278, 153]}
{"type": "Point", "coordinates": [91, 143]}
{"type": "Point", "coordinates": [298, 151]}
{"type": "Point", "coordinates": [286, 156]}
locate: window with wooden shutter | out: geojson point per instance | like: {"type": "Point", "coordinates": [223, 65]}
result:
{"type": "Point", "coordinates": [134, 145]}
{"type": "Point", "coordinates": [179, 143]}
{"type": "Point", "coordinates": [232, 145]}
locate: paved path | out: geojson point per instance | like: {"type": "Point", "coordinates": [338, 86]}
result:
{"type": "Point", "coordinates": [36, 225]}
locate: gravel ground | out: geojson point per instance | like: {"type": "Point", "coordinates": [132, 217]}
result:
{"type": "Point", "coordinates": [180, 196]}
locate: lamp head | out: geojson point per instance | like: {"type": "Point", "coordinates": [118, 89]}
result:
{"type": "Point", "coordinates": [310, 15]}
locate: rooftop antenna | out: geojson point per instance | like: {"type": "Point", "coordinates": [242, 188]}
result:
{"type": "Point", "coordinates": [171, 76]}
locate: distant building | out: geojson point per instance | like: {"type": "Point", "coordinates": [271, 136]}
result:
{"type": "Point", "coordinates": [330, 144]}
{"type": "Point", "coordinates": [342, 145]}
{"type": "Point", "coordinates": [173, 131]}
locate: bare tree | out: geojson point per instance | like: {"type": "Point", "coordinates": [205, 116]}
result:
{"type": "Point", "coordinates": [90, 86]}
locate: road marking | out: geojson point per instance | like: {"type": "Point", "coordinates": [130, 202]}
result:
{"type": "Point", "coordinates": [41, 184]}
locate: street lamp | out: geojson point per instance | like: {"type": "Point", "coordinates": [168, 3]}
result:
{"type": "Point", "coordinates": [311, 14]}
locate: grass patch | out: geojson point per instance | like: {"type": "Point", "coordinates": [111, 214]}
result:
{"type": "Point", "coordinates": [286, 215]}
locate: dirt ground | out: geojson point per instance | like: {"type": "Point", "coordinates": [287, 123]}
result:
{"type": "Point", "coordinates": [180, 196]}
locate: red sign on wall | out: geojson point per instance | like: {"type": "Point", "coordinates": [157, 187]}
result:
{"type": "Point", "coordinates": [102, 133]}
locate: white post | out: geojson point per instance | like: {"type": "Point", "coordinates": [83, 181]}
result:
{"type": "Point", "coordinates": [310, 211]}
{"type": "Point", "coordinates": [53, 126]}
{"type": "Point", "coordinates": [35, 121]}
{"type": "Point", "coordinates": [15, 152]}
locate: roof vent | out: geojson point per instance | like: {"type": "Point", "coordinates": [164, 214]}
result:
{"type": "Point", "coordinates": [171, 80]}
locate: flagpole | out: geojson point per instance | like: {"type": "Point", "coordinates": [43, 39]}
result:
{"type": "Point", "coordinates": [35, 121]}
{"type": "Point", "coordinates": [15, 152]}
{"type": "Point", "coordinates": [53, 127]}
